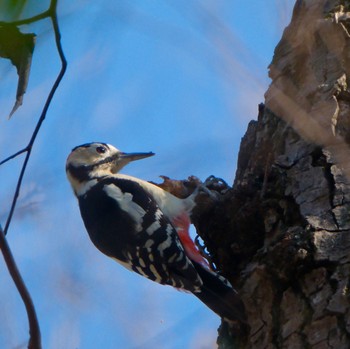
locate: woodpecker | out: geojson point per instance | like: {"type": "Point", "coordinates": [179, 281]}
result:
{"type": "Point", "coordinates": [143, 227]}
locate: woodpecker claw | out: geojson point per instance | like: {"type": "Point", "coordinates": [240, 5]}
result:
{"type": "Point", "coordinates": [217, 184]}
{"type": "Point", "coordinates": [214, 195]}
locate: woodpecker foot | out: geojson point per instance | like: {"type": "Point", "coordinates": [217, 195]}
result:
{"type": "Point", "coordinates": [216, 184]}
{"type": "Point", "coordinates": [203, 189]}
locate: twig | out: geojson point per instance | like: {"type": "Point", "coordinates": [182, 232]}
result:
{"type": "Point", "coordinates": [34, 329]}
{"type": "Point", "coordinates": [28, 148]}
{"type": "Point", "coordinates": [13, 156]}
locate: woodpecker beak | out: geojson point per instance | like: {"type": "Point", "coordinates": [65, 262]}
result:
{"type": "Point", "coordinates": [123, 159]}
{"type": "Point", "coordinates": [128, 157]}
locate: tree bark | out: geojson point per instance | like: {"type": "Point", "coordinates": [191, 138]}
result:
{"type": "Point", "coordinates": [281, 234]}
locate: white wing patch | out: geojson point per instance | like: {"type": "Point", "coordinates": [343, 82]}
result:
{"type": "Point", "coordinates": [153, 227]}
{"type": "Point", "coordinates": [165, 244]}
{"type": "Point", "coordinates": [156, 224]}
{"type": "Point", "coordinates": [126, 204]}
{"type": "Point", "coordinates": [149, 243]}
{"type": "Point", "coordinates": [169, 229]}
{"type": "Point", "coordinates": [154, 271]}
{"type": "Point", "coordinates": [170, 205]}
{"type": "Point", "coordinates": [158, 215]}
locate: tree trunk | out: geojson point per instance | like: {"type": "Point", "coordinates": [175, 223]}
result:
{"type": "Point", "coordinates": [281, 234]}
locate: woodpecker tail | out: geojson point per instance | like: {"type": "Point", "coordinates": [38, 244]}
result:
{"type": "Point", "coordinates": [219, 296]}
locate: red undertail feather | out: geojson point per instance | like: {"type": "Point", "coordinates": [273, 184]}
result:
{"type": "Point", "coordinates": [182, 225]}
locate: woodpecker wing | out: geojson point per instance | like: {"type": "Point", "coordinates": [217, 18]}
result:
{"type": "Point", "coordinates": [125, 223]}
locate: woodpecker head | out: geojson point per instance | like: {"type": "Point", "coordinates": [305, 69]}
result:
{"type": "Point", "coordinates": [95, 160]}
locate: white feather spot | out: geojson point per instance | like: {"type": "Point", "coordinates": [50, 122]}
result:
{"type": "Point", "coordinates": [142, 263]}
{"type": "Point", "coordinates": [172, 258]}
{"type": "Point", "coordinates": [140, 270]}
{"type": "Point", "coordinates": [165, 244]}
{"type": "Point", "coordinates": [126, 204]}
{"type": "Point", "coordinates": [149, 243]}
{"type": "Point", "coordinates": [181, 284]}
{"type": "Point", "coordinates": [158, 215]}
{"type": "Point", "coordinates": [169, 228]}
{"type": "Point", "coordinates": [124, 264]}
{"type": "Point", "coordinates": [155, 273]}
{"type": "Point", "coordinates": [153, 227]}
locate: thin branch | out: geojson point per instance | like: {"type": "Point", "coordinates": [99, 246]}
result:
{"type": "Point", "coordinates": [29, 147]}
{"type": "Point", "coordinates": [13, 156]}
{"type": "Point", "coordinates": [34, 329]}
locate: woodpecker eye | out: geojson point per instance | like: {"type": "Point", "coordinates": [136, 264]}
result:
{"type": "Point", "coordinates": [101, 150]}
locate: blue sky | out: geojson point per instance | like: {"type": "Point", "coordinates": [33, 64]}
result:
{"type": "Point", "coordinates": [180, 78]}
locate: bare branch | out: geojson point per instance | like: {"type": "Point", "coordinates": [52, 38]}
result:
{"type": "Point", "coordinates": [13, 156]}
{"type": "Point", "coordinates": [28, 149]}
{"type": "Point", "coordinates": [34, 329]}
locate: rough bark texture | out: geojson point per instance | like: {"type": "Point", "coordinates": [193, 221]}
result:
{"type": "Point", "coordinates": [281, 234]}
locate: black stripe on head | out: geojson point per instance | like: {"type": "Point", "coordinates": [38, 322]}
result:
{"type": "Point", "coordinates": [82, 172]}
{"type": "Point", "coordinates": [87, 145]}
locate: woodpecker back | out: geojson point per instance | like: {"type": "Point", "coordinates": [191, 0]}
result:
{"type": "Point", "coordinates": [143, 227]}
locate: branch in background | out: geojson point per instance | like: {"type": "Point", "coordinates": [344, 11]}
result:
{"type": "Point", "coordinates": [29, 147]}
{"type": "Point", "coordinates": [13, 156]}
{"type": "Point", "coordinates": [34, 328]}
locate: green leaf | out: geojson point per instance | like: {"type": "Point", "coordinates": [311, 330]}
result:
{"type": "Point", "coordinates": [12, 9]}
{"type": "Point", "coordinates": [17, 47]}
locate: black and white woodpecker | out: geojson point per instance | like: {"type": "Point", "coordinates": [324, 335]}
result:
{"type": "Point", "coordinates": [144, 227]}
